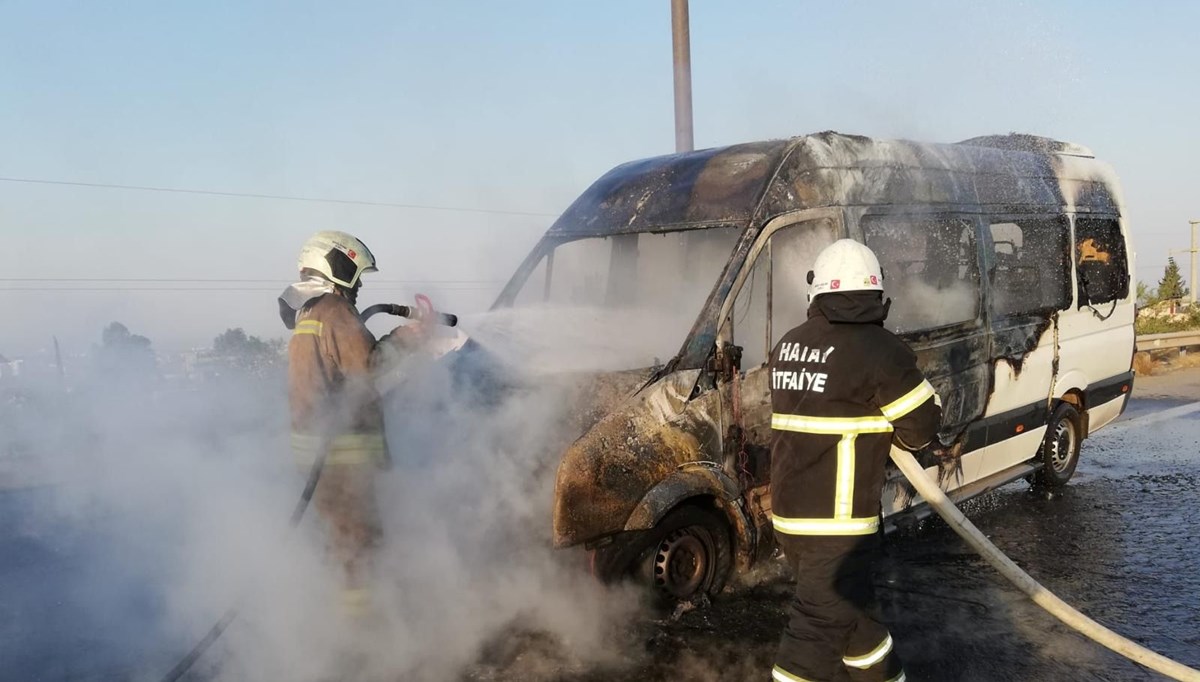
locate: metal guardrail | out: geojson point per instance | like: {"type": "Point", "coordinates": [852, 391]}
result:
{"type": "Point", "coordinates": [1149, 342]}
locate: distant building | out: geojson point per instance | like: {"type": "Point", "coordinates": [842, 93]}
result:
{"type": "Point", "coordinates": [9, 369]}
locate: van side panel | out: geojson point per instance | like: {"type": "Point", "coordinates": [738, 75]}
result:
{"type": "Point", "coordinates": [1022, 376]}
{"type": "Point", "coordinates": [1095, 350]}
{"type": "Point", "coordinates": [975, 465]}
{"type": "Point", "coordinates": [1103, 414]}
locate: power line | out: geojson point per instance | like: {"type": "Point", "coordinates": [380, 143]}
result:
{"type": "Point", "coordinates": [48, 290]}
{"type": "Point", "coordinates": [277, 197]}
{"type": "Point", "coordinates": [370, 282]}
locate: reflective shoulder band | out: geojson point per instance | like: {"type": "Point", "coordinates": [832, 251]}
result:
{"type": "Point", "coordinates": [835, 426]}
{"type": "Point", "coordinates": [309, 327]}
{"type": "Point", "coordinates": [909, 401]}
{"type": "Point", "coordinates": [860, 525]}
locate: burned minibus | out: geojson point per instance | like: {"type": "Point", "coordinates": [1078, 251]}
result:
{"type": "Point", "coordinates": [1008, 261]}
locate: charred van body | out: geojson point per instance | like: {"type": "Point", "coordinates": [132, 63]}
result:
{"type": "Point", "coordinates": [1008, 259]}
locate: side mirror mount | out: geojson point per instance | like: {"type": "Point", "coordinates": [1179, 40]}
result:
{"type": "Point", "coordinates": [726, 361]}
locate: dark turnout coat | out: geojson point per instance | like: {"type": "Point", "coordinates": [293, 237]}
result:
{"type": "Point", "coordinates": [842, 388]}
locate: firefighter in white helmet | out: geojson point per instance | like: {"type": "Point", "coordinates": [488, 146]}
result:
{"type": "Point", "coordinates": [334, 405]}
{"type": "Point", "coordinates": [843, 389]}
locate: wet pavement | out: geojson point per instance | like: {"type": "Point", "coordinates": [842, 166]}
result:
{"type": "Point", "coordinates": [1121, 543]}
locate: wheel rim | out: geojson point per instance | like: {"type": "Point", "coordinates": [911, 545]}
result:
{"type": "Point", "coordinates": [683, 562]}
{"type": "Point", "coordinates": [1062, 445]}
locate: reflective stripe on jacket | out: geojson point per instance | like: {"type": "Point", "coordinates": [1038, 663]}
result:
{"type": "Point", "coordinates": [840, 394]}
{"type": "Point", "coordinates": [346, 449]}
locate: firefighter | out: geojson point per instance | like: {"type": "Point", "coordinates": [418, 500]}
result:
{"type": "Point", "coordinates": [334, 406]}
{"type": "Point", "coordinates": [843, 389]}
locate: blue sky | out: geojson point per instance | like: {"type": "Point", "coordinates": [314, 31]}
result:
{"type": "Point", "coordinates": [507, 106]}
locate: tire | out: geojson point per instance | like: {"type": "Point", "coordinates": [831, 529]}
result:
{"type": "Point", "coordinates": [1059, 453]}
{"type": "Point", "coordinates": [686, 556]}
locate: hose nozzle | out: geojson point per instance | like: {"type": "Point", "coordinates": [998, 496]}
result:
{"type": "Point", "coordinates": [418, 313]}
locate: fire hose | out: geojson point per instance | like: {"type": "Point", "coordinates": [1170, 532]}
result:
{"type": "Point", "coordinates": [931, 493]}
{"type": "Point", "coordinates": [422, 311]}
{"type": "Point", "coordinates": [310, 486]}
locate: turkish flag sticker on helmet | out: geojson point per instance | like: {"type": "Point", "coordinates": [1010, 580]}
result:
{"type": "Point", "coordinates": [835, 284]}
{"type": "Point", "coordinates": [350, 252]}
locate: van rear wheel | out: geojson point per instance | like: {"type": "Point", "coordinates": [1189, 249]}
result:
{"type": "Point", "coordinates": [1059, 453]}
{"type": "Point", "coordinates": [687, 555]}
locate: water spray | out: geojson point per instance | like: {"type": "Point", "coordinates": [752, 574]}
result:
{"type": "Point", "coordinates": [937, 499]}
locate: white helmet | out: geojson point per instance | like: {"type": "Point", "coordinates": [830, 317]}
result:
{"type": "Point", "coordinates": [339, 257]}
{"type": "Point", "coordinates": [845, 265]}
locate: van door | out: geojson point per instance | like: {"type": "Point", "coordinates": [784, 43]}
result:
{"type": "Point", "coordinates": [770, 299]}
{"type": "Point", "coordinates": [1096, 337]}
{"type": "Point", "coordinates": [1029, 282]}
{"type": "Point", "coordinates": [931, 273]}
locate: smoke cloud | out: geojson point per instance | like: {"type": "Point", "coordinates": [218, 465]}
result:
{"type": "Point", "coordinates": [186, 490]}
{"type": "Point", "coordinates": [186, 486]}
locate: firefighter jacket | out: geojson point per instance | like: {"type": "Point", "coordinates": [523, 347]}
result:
{"type": "Point", "coordinates": [333, 401]}
{"type": "Point", "coordinates": [842, 388]}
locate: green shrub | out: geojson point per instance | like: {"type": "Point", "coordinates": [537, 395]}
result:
{"type": "Point", "coordinates": [1151, 325]}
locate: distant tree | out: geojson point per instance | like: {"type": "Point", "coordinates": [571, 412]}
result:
{"type": "Point", "coordinates": [237, 342]}
{"type": "Point", "coordinates": [122, 353]}
{"type": "Point", "coordinates": [117, 335]}
{"type": "Point", "coordinates": [1145, 295]}
{"type": "Point", "coordinates": [1171, 285]}
{"type": "Point", "coordinates": [237, 350]}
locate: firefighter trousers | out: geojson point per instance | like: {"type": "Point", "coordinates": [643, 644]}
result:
{"type": "Point", "coordinates": [345, 498]}
{"type": "Point", "coordinates": [831, 634]}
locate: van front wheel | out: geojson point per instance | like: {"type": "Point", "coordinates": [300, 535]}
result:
{"type": "Point", "coordinates": [1059, 453]}
{"type": "Point", "coordinates": [686, 555]}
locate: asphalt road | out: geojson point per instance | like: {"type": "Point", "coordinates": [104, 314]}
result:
{"type": "Point", "coordinates": [1122, 543]}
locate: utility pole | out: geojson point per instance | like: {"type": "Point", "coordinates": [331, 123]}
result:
{"type": "Point", "coordinates": [62, 374]}
{"type": "Point", "coordinates": [1192, 278]}
{"type": "Point", "coordinates": [1192, 254]}
{"type": "Point", "coordinates": [682, 57]}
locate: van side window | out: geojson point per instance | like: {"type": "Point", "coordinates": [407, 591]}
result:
{"type": "Point", "coordinates": [1032, 270]}
{"type": "Point", "coordinates": [930, 269]}
{"type": "Point", "coordinates": [793, 251]}
{"type": "Point", "coordinates": [750, 315]}
{"type": "Point", "coordinates": [1100, 258]}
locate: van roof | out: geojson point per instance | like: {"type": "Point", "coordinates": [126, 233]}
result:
{"type": "Point", "coordinates": [751, 183]}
